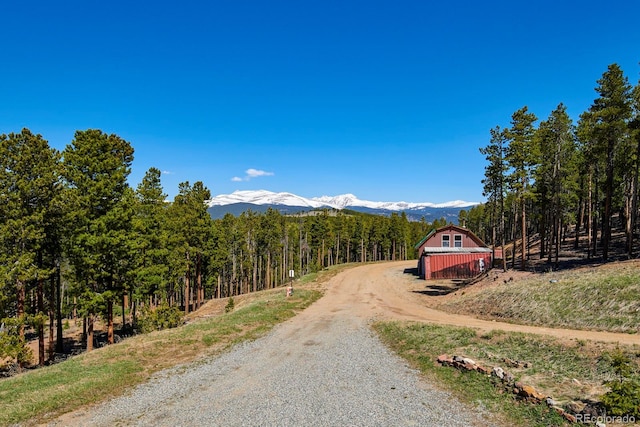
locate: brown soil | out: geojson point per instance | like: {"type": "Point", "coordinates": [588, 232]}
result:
{"type": "Point", "coordinates": [360, 295]}
{"type": "Point", "coordinates": [392, 291]}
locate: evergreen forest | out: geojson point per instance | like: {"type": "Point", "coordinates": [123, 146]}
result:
{"type": "Point", "coordinates": [78, 242]}
{"type": "Point", "coordinates": [553, 182]}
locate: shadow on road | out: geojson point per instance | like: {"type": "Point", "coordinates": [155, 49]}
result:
{"type": "Point", "coordinates": [413, 271]}
{"type": "Point", "coordinates": [438, 290]}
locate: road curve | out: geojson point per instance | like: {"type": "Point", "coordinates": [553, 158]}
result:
{"type": "Point", "coordinates": [322, 367]}
{"type": "Point", "coordinates": [385, 291]}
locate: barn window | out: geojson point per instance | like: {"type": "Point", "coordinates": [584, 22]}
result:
{"type": "Point", "coordinates": [446, 241]}
{"type": "Point", "coordinates": [457, 240]}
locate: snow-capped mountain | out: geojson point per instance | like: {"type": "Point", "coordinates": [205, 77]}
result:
{"type": "Point", "coordinates": [288, 203]}
{"type": "Point", "coordinates": [264, 197]}
{"type": "Point", "coordinates": [349, 200]}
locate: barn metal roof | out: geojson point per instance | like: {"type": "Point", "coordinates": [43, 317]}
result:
{"type": "Point", "coordinates": [440, 250]}
{"type": "Point", "coordinates": [462, 230]}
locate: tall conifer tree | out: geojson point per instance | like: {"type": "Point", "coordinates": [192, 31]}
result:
{"type": "Point", "coordinates": [96, 167]}
{"type": "Point", "coordinates": [494, 184]}
{"type": "Point", "coordinates": [556, 176]}
{"type": "Point", "coordinates": [522, 158]}
{"type": "Point", "coordinates": [29, 185]}
{"type": "Point", "coordinates": [150, 224]}
{"type": "Point", "coordinates": [611, 112]}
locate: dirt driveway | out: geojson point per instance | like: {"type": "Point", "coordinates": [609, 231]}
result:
{"type": "Point", "coordinates": [322, 367]}
{"type": "Point", "coordinates": [388, 291]}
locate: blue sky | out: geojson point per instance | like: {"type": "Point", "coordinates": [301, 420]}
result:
{"type": "Point", "coordinates": [388, 100]}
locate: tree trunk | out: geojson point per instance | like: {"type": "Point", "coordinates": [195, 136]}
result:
{"type": "Point", "coordinates": [40, 325]}
{"type": "Point", "coordinates": [124, 305]}
{"type": "Point", "coordinates": [523, 262]}
{"type": "Point", "coordinates": [348, 250]}
{"type": "Point", "coordinates": [576, 243]}
{"type": "Point", "coordinates": [493, 246]}
{"type": "Point", "coordinates": [89, 323]}
{"type": "Point", "coordinates": [134, 311]}
{"type": "Point", "coordinates": [21, 297]}
{"type": "Point", "coordinates": [502, 243]}
{"type": "Point", "coordinates": [543, 229]}
{"type": "Point", "coordinates": [589, 221]}
{"type": "Point", "coordinates": [267, 277]}
{"type": "Point", "coordinates": [110, 321]}
{"type": "Point", "coordinates": [557, 233]}
{"type": "Point", "coordinates": [606, 219]}
{"type": "Point", "coordinates": [254, 274]}
{"type": "Point", "coordinates": [52, 317]}
{"type": "Point", "coordinates": [187, 291]}
{"type": "Point", "coordinates": [59, 338]}
{"type": "Point", "coordinates": [627, 215]}
{"type": "Point", "coordinates": [199, 298]}
{"type": "Point", "coordinates": [515, 236]}
{"type": "Point", "coordinates": [634, 202]}
{"type": "Point", "coordinates": [596, 213]}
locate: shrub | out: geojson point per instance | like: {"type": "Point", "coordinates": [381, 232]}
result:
{"type": "Point", "coordinates": [162, 317]}
{"type": "Point", "coordinates": [230, 305]}
{"type": "Point", "coordinates": [624, 396]}
{"type": "Point", "coordinates": [12, 345]}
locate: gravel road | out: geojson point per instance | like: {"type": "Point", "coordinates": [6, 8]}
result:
{"type": "Point", "coordinates": [322, 368]}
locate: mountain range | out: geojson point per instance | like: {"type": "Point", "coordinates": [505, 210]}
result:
{"type": "Point", "coordinates": [288, 203]}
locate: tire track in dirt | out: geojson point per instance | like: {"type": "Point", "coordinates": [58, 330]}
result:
{"type": "Point", "coordinates": [385, 291]}
{"type": "Point", "coordinates": [318, 368]}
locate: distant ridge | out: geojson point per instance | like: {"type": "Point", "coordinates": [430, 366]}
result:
{"type": "Point", "coordinates": [288, 203]}
{"type": "Point", "coordinates": [264, 197]}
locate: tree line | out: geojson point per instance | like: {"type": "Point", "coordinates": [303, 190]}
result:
{"type": "Point", "coordinates": [558, 176]}
{"type": "Point", "coordinates": [77, 240]}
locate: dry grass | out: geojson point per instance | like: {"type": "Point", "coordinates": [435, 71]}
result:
{"type": "Point", "coordinates": [92, 377]}
{"type": "Point", "coordinates": [595, 298]}
{"type": "Point", "coordinates": [567, 371]}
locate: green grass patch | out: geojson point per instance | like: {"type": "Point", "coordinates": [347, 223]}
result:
{"type": "Point", "coordinates": [603, 298]}
{"type": "Point", "coordinates": [41, 394]}
{"type": "Point", "coordinates": [566, 371]}
{"type": "Point", "coordinates": [325, 274]}
{"type": "Point", "coordinates": [67, 385]}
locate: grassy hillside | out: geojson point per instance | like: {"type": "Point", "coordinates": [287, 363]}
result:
{"type": "Point", "coordinates": [569, 371]}
{"type": "Point", "coordinates": [605, 297]}
{"type": "Point", "coordinates": [109, 371]}
{"type": "Point", "coordinates": [592, 298]}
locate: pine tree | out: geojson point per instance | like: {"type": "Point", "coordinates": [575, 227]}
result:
{"type": "Point", "coordinates": [270, 236]}
{"type": "Point", "coordinates": [590, 168]}
{"type": "Point", "coordinates": [522, 158]}
{"type": "Point", "coordinates": [29, 186]}
{"type": "Point", "coordinates": [555, 177]}
{"type": "Point", "coordinates": [191, 228]}
{"type": "Point", "coordinates": [150, 225]}
{"type": "Point", "coordinates": [611, 112]}
{"type": "Point", "coordinates": [96, 166]}
{"type": "Point", "coordinates": [495, 184]}
{"type": "Point", "coordinates": [634, 128]}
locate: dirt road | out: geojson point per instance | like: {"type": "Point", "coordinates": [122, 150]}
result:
{"type": "Point", "coordinates": [385, 291]}
{"type": "Point", "coordinates": [322, 367]}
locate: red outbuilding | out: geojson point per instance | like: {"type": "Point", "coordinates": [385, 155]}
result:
{"type": "Point", "coordinates": [452, 252]}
